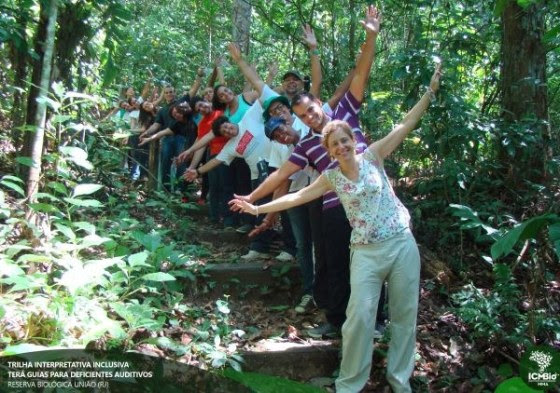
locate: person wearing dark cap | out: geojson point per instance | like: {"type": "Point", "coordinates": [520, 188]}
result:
{"type": "Point", "coordinates": [292, 81]}
{"type": "Point", "coordinates": [292, 84]}
{"type": "Point", "coordinates": [277, 130]}
{"type": "Point", "coordinates": [285, 138]}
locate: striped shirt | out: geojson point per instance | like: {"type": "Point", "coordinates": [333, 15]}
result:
{"type": "Point", "coordinates": [310, 150]}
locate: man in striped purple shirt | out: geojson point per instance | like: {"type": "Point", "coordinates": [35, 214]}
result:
{"type": "Point", "coordinates": [333, 277]}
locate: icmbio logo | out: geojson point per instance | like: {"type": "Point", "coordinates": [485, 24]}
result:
{"type": "Point", "coordinates": [540, 367]}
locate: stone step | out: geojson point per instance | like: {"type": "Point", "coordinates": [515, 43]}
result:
{"type": "Point", "coordinates": [279, 283]}
{"type": "Point", "coordinates": [220, 237]}
{"type": "Point", "coordinates": [298, 361]}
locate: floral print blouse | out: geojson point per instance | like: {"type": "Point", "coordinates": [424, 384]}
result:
{"type": "Point", "coordinates": [374, 211]}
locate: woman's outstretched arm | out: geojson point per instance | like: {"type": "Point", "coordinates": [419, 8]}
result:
{"type": "Point", "coordinates": [309, 193]}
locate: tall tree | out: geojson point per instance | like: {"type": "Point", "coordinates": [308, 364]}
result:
{"type": "Point", "coordinates": [242, 24]}
{"type": "Point", "coordinates": [37, 67]}
{"type": "Point", "coordinates": [36, 148]}
{"type": "Point", "coordinates": [524, 87]}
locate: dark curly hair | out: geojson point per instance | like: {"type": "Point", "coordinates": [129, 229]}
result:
{"type": "Point", "coordinates": [218, 124]}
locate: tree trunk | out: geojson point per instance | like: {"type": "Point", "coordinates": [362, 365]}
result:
{"type": "Point", "coordinates": [242, 24]}
{"type": "Point", "coordinates": [40, 115]}
{"type": "Point", "coordinates": [524, 87]}
{"type": "Point", "coordinates": [524, 92]}
{"type": "Point", "coordinates": [72, 33]}
{"type": "Point", "coordinates": [40, 38]}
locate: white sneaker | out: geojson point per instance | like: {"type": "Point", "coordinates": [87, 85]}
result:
{"type": "Point", "coordinates": [305, 304]}
{"type": "Point", "coordinates": [285, 257]}
{"type": "Point", "coordinates": [252, 255]}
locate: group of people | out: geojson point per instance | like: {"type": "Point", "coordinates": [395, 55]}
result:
{"type": "Point", "coordinates": [308, 162]}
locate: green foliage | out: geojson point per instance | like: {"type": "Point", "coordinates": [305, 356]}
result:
{"type": "Point", "coordinates": [529, 229]}
{"type": "Point", "coordinates": [494, 315]}
{"type": "Point", "coordinates": [98, 274]}
{"type": "Point", "coordinates": [13, 182]}
{"type": "Point", "coordinates": [499, 314]}
{"type": "Point", "coordinates": [514, 385]}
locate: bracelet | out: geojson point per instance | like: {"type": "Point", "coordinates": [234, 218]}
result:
{"type": "Point", "coordinates": [431, 94]}
{"type": "Point", "coordinates": [314, 52]}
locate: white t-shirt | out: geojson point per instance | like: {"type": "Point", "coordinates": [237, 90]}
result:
{"type": "Point", "coordinates": [250, 143]}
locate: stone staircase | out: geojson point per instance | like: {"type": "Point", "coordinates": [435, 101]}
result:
{"type": "Point", "coordinates": [275, 285]}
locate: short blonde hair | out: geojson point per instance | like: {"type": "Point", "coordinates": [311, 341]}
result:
{"type": "Point", "coordinates": [334, 125]}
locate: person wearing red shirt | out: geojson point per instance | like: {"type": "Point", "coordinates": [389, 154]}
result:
{"type": "Point", "coordinates": [220, 179]}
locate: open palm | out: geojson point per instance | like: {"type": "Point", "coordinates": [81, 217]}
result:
{"type": "Point", "coordinates": [309, 37]}
{"type": "Point", "coordinates": [372, 21]}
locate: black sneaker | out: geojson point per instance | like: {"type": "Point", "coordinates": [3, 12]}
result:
{"type": "Point", "coordinates": [326, 330]}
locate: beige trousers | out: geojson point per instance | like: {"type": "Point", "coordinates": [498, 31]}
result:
{"type": "Point", "coordinates": [396, 260]}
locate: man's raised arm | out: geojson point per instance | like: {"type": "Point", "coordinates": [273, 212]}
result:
{"type": "Point", "coordinates": [363, 67]}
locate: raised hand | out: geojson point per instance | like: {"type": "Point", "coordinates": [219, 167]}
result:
{"type": "Point", "coordinates": [434, 82]}
{"type": "Point", "coordinates": [373, 20]}
{"type": "Point", "coordinates": [234, 51]}
{"type": "Point", "coordinates": [190, 175]}
{"type": "Point", "coordinates": [309, 37]}
{"type": "Point", "coordinates": [243, 206]}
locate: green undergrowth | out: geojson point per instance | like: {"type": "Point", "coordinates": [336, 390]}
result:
{"type": "Point", "coordinates": [102, 264]}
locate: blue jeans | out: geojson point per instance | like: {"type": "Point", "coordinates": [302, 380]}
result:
{"type": "Point", "coordinates": [220, 186]}
{"type": "Point", "coordinates": [301, 228]}
{"type": "Point", "coordinates": [171, 147]}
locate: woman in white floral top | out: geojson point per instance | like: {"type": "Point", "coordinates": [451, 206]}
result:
{"type": "Point", "coordinates": [382, 247]}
